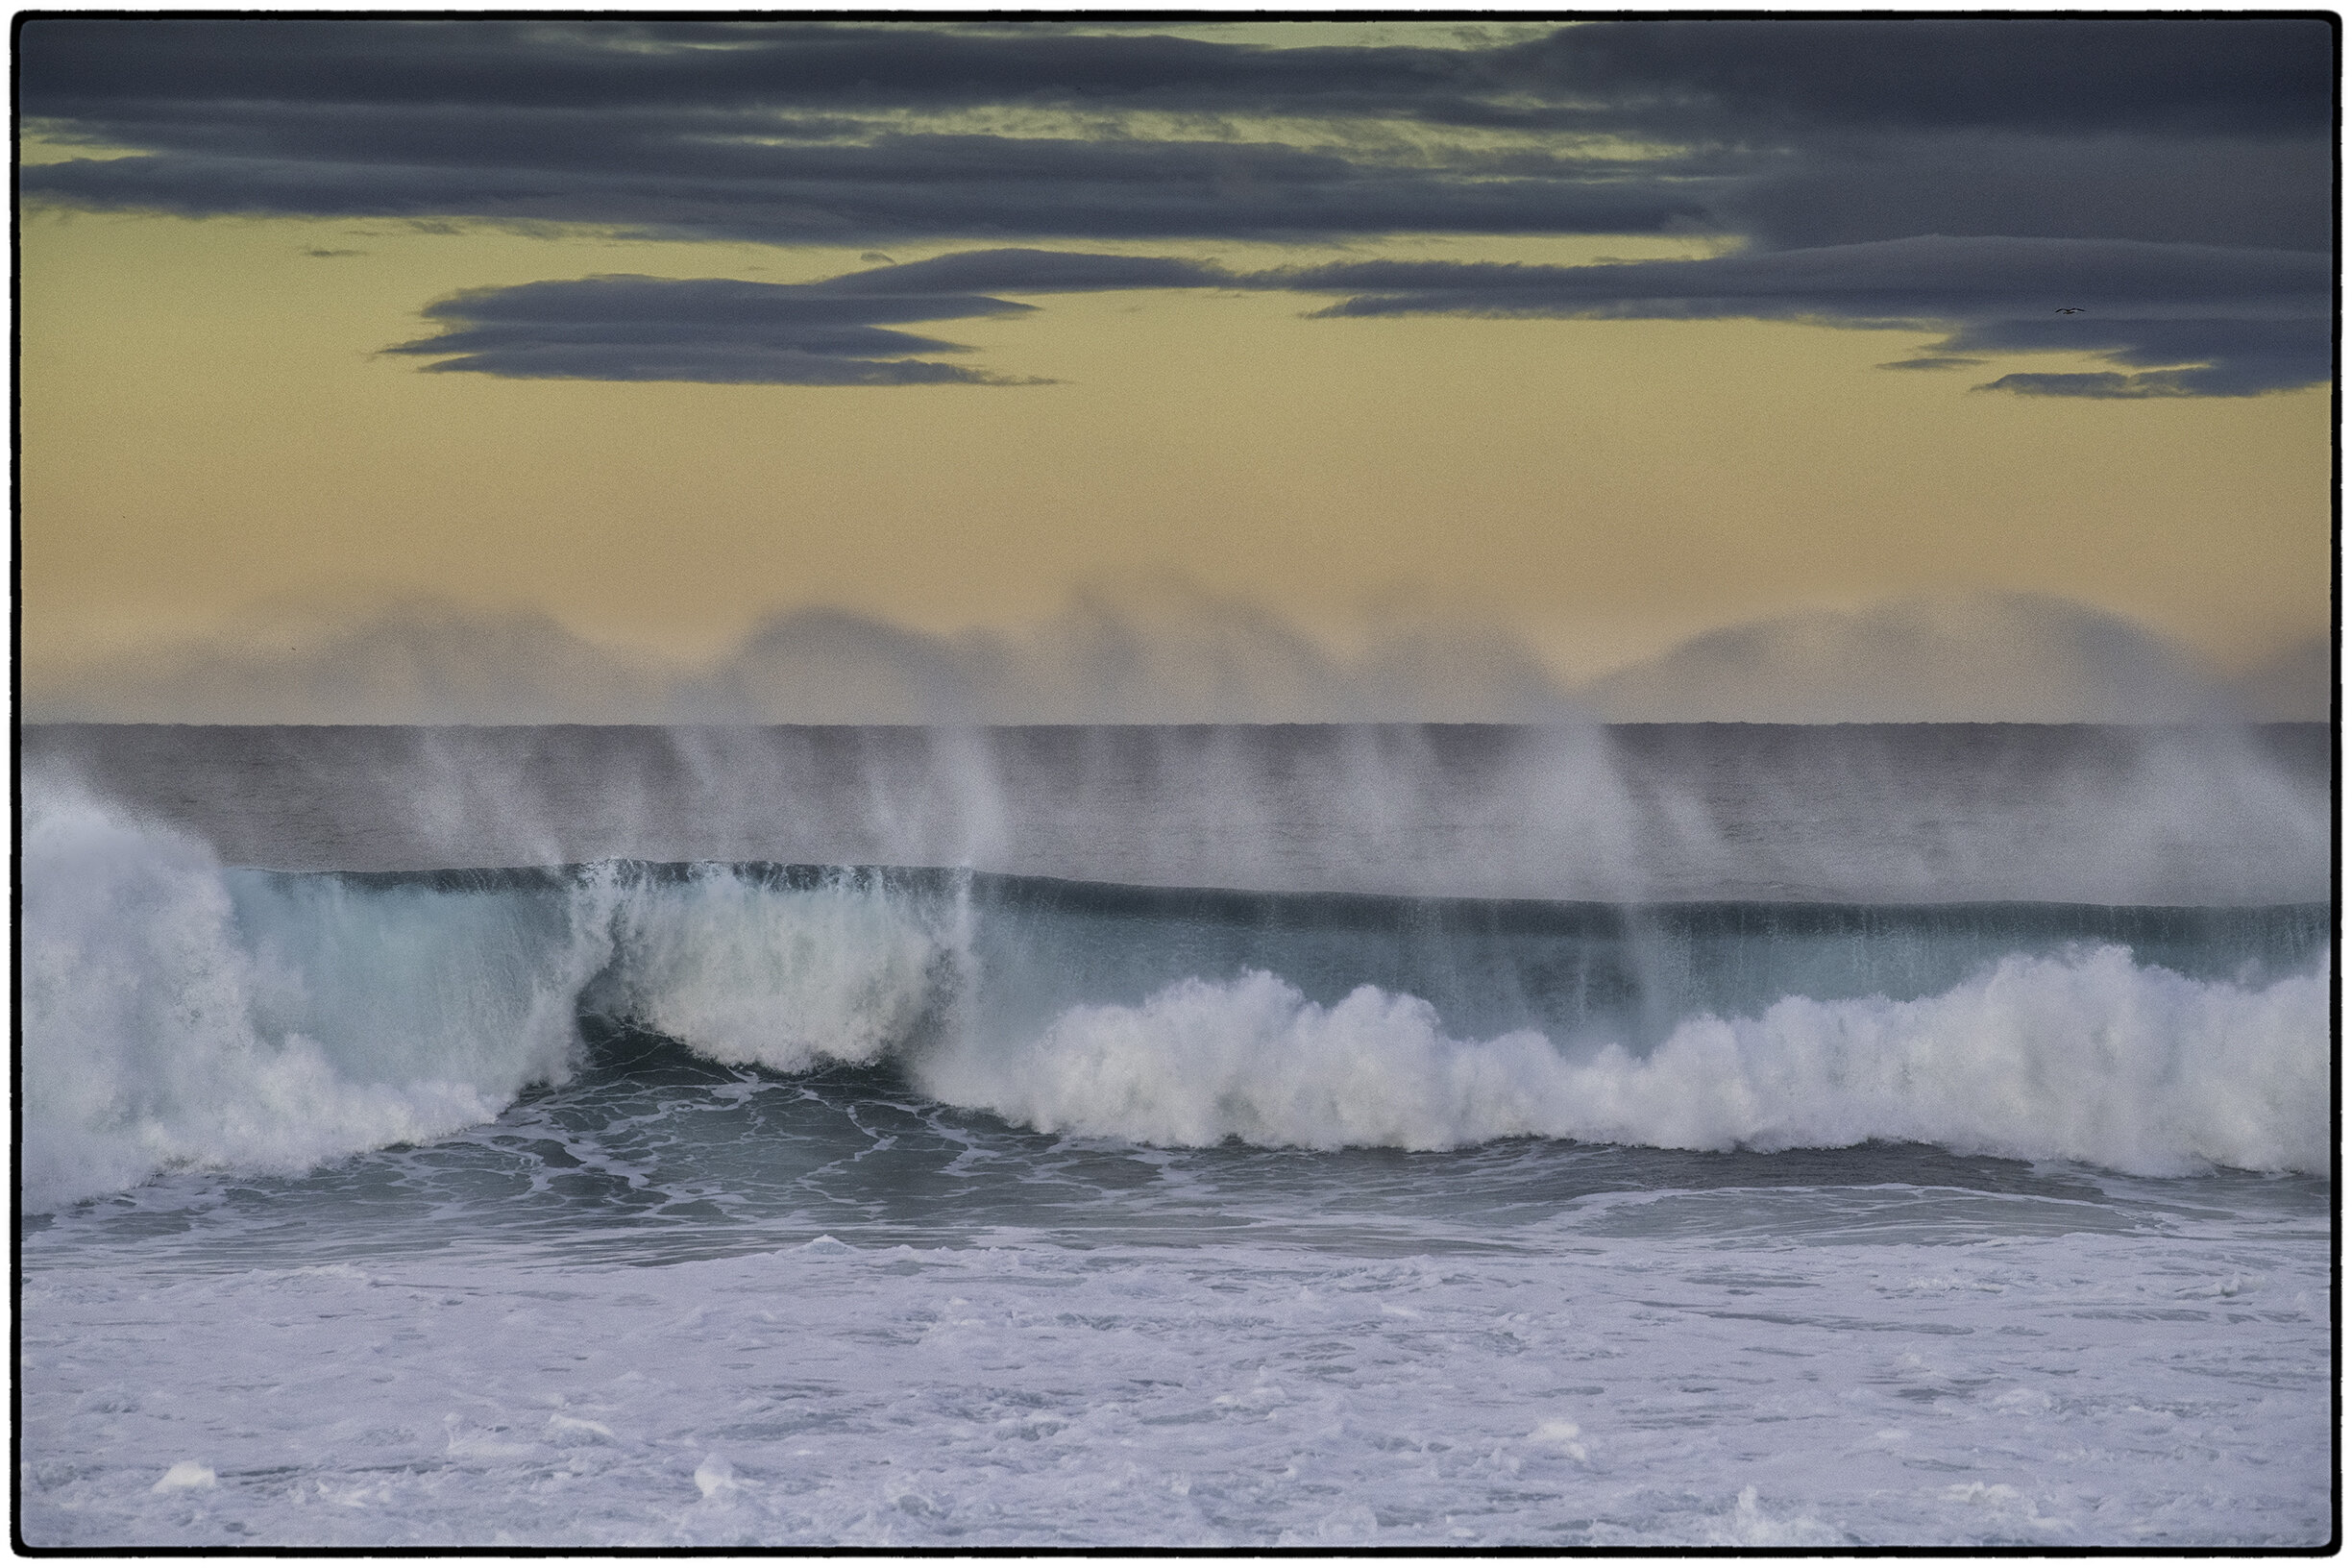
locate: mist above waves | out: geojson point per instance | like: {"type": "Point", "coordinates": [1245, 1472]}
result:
{"type": "Point", "coordinates": [1902, 812]}
{"type": "Point", "coordinates": [1170, 652]}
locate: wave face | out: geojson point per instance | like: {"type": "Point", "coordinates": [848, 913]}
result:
{"type": "Point", "coordinates": [179, 1013]}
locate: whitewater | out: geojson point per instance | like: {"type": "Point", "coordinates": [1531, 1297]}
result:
{"type": "Point", "coordinates": [1403, 1136]}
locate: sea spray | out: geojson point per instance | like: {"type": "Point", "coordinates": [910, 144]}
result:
{"type": "Point", "coordinates": [1864, 813]}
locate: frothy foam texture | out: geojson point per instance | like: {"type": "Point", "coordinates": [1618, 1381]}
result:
{"type": "Point", "coordinates": [161, 1029]}
{"type": "Point", "coordinates": [176, 1013]}
{"type": "Point", "coordinates": [782, 979]}
{"type": "Point", "coordinates": [2088, 1058]}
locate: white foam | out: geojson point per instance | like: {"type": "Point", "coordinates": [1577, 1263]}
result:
{"type": "Point", "coordinates": [181, 1013]}
{"type": "Point", "coordinates": [1253, 1058]}
{"type": "Point", "coordinates": [786, 979]}
{"type": "Point", "coordinates": [187, 1476]}
{"type": "Point", "coordinates": [1749, 1523]}
{"type": "Point", "coordinates": [1033, 1397]}
{"type": "Point", "coordinates": [164, 1026]}
{"type": "Point", "coordinates": [713, 1475]}
{"type": "Point", "coordinates": [2087, 1057]}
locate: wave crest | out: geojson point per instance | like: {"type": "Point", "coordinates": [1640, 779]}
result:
{"type": "Point", "coordinates": [2087, 1057]}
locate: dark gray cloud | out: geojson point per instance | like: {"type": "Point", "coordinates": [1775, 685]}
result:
{"type": "Point", "coordinates": [1986, 145]}
{"type": "Point", "coordinates": [1793, 131]}
{"type": "Point", "coordinates": [2219, 190]}
{"type": "Point", "coordinates": [726, 132]}
{"type": "Point", "coordinates": [597, 64]}
{"type": "Point", "coordinates": [711, 179]}
{"type": "Point", "coordinates": [711, 183]}
{"type": "Point", "coordinates": [2233, 355]}
{"type": "Point", "coordinates": [2199, 382]}
{"type": "Point", "coordinates": [838, 333]}
{"type": "Point", "coordinates": [2199, 321]}
{"type": "Point", "coordinates": [2230, 74]}
{"type": "Point", "coordinates": [630, 329]}
{"type": "Point", "coordinates": [1021, 270]}
{"type": "Point", "coordinates": [2182, 320]}
{"type": "Point", "coordinates": [2142, 74]}
{"type": "Point", "coordinates": [1932, 361]}
{"type": "Point", "coordinates": [1927, 278]}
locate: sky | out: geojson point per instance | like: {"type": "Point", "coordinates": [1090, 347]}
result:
{"type": "Point", "coordinates": [888, 370]}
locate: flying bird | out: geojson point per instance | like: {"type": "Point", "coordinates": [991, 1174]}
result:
{"type": "Point", "coordinates": [2067, 310]}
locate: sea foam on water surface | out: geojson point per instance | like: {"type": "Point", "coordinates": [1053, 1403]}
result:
{"type": "Point", "coordinates": [1659, 1390]}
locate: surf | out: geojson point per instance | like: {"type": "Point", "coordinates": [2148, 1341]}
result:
{"type": "Point", "coordinates": [184, 1014]}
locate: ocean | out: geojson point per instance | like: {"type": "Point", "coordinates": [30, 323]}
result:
{"type": "Point", "coordinates": [1408, 1136]}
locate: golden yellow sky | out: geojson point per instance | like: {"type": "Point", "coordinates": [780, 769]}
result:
{"type": "Point", "coordinates": [207, 425]}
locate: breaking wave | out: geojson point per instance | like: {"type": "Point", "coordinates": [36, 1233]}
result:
{"type": "Point", "coordinates": [2089, 1057]}
{"type": "Point", "coordinates": [176, 1013]}
{"type": "Point", "coordinates": [167, 1022]}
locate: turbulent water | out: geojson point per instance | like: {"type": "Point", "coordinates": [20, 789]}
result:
{"type": "Point", "coordinates": [1416, 1135]}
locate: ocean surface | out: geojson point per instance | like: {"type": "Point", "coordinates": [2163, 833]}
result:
{"type": "Point", "coordinates": [1386, 1136]}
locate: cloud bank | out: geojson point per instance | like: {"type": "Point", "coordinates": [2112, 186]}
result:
{"type": "Point", "coordinates": [2230, 321]}
{"type": "Point", "coordinates": [1168, 653]}
{"type": "Point", "coordinates": [1792, 131]}
{"type": "Point", "coordinates": [785, 133]}
{"type": "Point", "coordinates": [2170, 178]}
{"type": "Point", "coordinates": [2183, 320]}
{"type": "Point", "coordinates": [630, 329]}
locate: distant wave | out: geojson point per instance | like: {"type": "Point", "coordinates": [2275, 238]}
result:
{"type": "Point", "coordinates": [176, 1013]}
